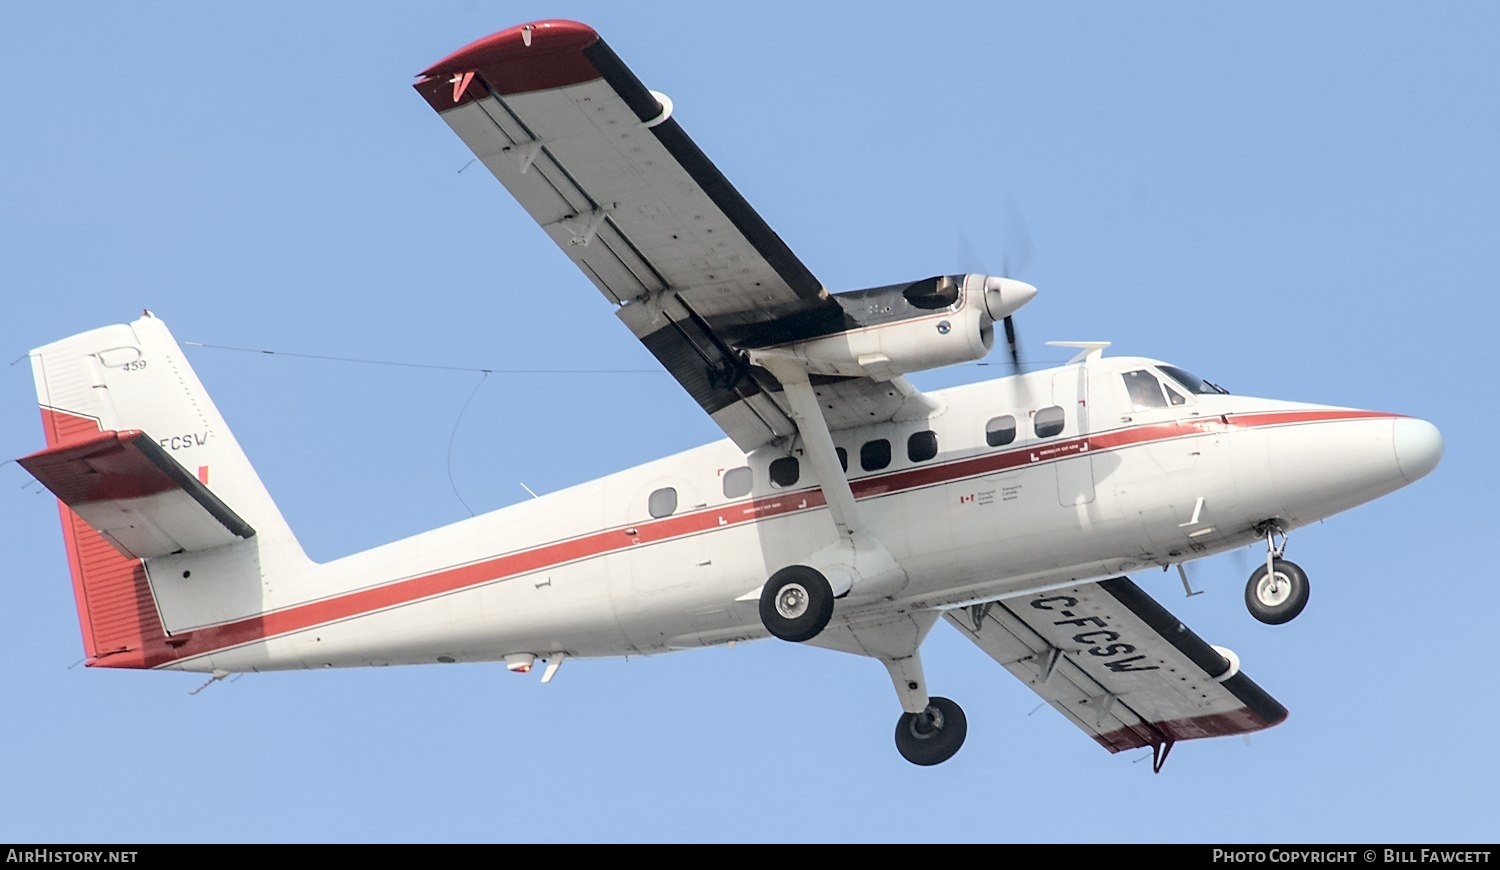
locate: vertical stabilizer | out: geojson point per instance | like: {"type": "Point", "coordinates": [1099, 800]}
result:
{"type": "Point", "coordinates": [147, 472]}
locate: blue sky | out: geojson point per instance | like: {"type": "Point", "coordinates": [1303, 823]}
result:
{"type": "Point", "coordinates": [1293, 200]}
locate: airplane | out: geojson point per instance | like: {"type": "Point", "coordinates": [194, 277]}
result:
{"type": "Point", "coordinates": [844, 509]}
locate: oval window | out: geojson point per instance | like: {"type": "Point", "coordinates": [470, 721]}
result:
{"type": "Point", "coordinates": [737, 482]}
{"type": "Point", "coordinates": [1000, 431]}
{"type": "Point", "coordinates": [875, 455]}
{"type": "Point", "coordinates": [785, 471]}
{"type": "Point", "coordinates": [921, 446]}
{"type": "Point", "coordinates": [1048, 422]}
{"type": "Point", "coordinates": [663, 502]}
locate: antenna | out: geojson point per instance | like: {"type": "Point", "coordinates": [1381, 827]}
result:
{"type": "Point", "coordinates": [1088, 350]}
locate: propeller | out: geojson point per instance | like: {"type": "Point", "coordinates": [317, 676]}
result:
{"type": "Point", "coordinates": [1010, 341]}
{"type": "Point", "coordinates": [1015, 254]}
{"type": "Point", "coordinates": [1004, 294]}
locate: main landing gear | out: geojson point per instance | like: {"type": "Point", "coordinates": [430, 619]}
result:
{"type": "Point", "coordinates": [1278, 590]}
{"type": "Point", "coordinates": [796, 603]}
{"type": "Point", "coordinates": [933, 735]}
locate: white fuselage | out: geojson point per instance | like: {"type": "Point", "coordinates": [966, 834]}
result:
{"type": "Point", "coordinates": [590, 571]}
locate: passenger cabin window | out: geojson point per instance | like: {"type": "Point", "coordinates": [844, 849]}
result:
{"type": "Point", "coordinates": [737, 482]}
{"type": "Point", "coordinates": [843, 457]}
{"type": "Point", "coordinates": [785, 471]}
{"type": "Point", "coordinates": [663, 502]}
{"type": "Point", "coordinates": [1048, 421]}
{"type": "Point", "coordinates": [1000, 431]}
{"type": "Point", "coordinates": [875, 455]}
{"type": "Point", "coordinates": [1145, 390]}
{"type": "Point", "coordinates": [921, 446]}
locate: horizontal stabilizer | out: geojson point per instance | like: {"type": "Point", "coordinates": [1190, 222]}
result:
{"type": "Point", "coordinates": [136, 495]}
{"type": "Point", "coordinates": [1118, 665]}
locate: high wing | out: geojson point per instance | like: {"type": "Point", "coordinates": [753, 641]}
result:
{"type": "Point", "coordinates": [1119, 666]}
{"type": "Point", "coordinates": [597, 160]}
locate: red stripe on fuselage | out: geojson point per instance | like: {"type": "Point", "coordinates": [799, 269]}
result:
{"type": "Point", "coordinates": [411, 590]}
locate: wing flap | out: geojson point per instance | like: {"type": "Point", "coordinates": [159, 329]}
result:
{"type": "Point", "coordinates": [136, 495]}
{"type": "Point", "coordinates": [1118, 665]}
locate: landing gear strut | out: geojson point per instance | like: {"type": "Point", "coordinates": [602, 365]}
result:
{"type": "Point", "coordinates": [1278, 590]}
{"type": "Point", "coordinates": [933, 735]}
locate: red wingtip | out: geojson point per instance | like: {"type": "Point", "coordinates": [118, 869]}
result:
{"type": "Point", "coordinates": [534, 41]}
{"type": "Point", "coordinates": [528, 57]}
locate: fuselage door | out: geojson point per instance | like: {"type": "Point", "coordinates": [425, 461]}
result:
{"type": "Point", "coordinates": [1075, 472]}
{"type": "Point", "coordinates": [667, 548]}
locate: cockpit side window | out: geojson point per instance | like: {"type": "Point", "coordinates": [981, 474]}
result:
{"type": "Point", "coordinates": [1145, 390]}
{"type": "Point", "coordinates": [1192, 382]}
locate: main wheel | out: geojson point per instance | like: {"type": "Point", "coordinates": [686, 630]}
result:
{"type": "Point", "coordinates": [932, 736]}
{"type": "Point", "coordinates": [1279, 596]}
{"type": "Point", "coordinates": [796, 603]}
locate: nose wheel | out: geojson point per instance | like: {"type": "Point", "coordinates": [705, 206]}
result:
{"type": "Point", "coordinates": [1277, 595]}
{"type": "Point", "coordinates": [933, 735]}
{"type": "Point", "coordinates": [1278, 590]}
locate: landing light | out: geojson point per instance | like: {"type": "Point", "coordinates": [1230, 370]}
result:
{"type": "Point", "coordinates": [519, 663]}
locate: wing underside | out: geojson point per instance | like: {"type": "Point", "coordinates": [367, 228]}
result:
{"type": "Point", "coordinates": [599, 163]}
{"type": "Point", "coordinates": [1118, 665]}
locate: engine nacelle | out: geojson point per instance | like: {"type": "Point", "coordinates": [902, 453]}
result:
{"type": "Point", "coordinates": [905, 328]}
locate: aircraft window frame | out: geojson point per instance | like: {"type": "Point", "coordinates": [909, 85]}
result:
{"type": "Point", "coordinates": [1191, 382]}
{"type": "Point", "coordinates": [662, 502]}
{"type": "Point", "coordinates": [775, 471]}
{"type": "Point", "coordinates": [870, 457]}
{"type": "Point", "coordinates": [1144, 390]}
{"type": "Point", "coordinates": [926, 440]}
{"type": "Point", "coordinates": [738, 482]}
{"type": "Point", "coordinates": [992, 432]}
{"type": "Point", "coordinates": [1061, 421]}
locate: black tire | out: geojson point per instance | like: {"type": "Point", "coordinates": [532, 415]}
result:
{"type": "Point", "coordinates": [796, 603]}
{"type": "Point", "coordinates": [1279, 598]}
{"type": "Point", "coordinates": [932, 737]}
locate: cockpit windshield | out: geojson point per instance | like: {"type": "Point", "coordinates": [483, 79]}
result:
{"type": "Point", "coordinates": [1192, 382]}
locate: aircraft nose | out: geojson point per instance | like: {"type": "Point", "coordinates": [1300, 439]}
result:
{"type": "Point", "coordinates": [1419, 446]}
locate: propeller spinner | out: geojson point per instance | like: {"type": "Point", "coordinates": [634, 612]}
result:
{"type": "Point", "coordinates": [1002, 298]}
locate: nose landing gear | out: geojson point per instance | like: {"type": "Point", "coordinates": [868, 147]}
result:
{"type": "Point", "coordinates": [1278, 590]}
{"type": "Point", "coordinates": [933, 735]}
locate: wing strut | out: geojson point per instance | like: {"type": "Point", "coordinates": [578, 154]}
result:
{"type": "Point", "coordinates": [857, 563]}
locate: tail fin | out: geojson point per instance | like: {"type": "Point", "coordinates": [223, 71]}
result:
{"type": "Point", "coordinates": [146, 470]}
